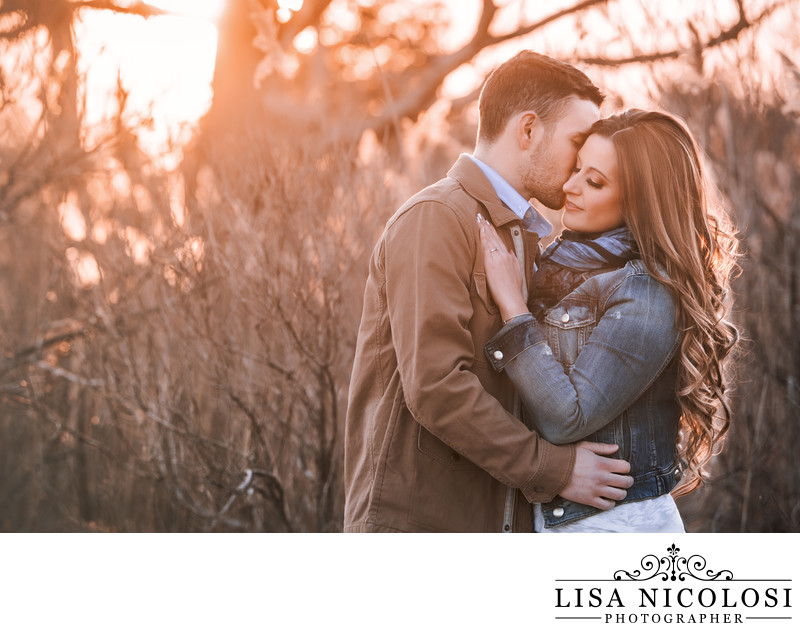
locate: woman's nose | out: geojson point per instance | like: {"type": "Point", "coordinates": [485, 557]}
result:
{"type": "Point", "coordinates": [569, 185]}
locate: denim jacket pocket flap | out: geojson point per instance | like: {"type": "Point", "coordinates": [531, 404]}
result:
{"type": "Point", "coordinates": [482, 289]}
{"type": "Point", "coordinates": [572, 315]}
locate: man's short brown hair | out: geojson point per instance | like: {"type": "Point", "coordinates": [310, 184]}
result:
{"type": "Point", "coordinates": [530, 81]}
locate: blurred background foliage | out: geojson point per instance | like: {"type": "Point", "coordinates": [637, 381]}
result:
{"type": "Point", "coordinates": [177, 334]}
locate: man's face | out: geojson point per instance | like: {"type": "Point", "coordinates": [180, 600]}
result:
{"type": "Point", "coordinates": [550, 160]}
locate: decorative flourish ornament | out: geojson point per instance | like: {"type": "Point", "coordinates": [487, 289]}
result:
{"type": "Point", "coordinates": [673, 568]}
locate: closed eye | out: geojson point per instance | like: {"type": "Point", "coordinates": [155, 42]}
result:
{"type": "Point", "coordinates": [593, 184]}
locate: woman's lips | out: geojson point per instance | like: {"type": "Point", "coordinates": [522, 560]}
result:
{"type": "Point", "coordinates": [568, 205]}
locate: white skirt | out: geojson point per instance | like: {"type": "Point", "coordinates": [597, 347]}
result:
{"type": "Point", "coordinates": [656, 514]}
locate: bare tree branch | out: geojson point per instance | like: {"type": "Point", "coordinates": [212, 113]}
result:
{"type": "Point", "coordinates": [530, 28]}
{"type": "Point", "coordinates": [727, 35]}
{"type": "Point", "coordinates": [308, 15]}
{"type": "Point", "coordinates": [425, 86]}
{"type": "Point", "coordinates": [139, 8]}
{"type": "Point", "coordinates": [33, 14]}
{"type": "Point", "coordinates": [487, 17]}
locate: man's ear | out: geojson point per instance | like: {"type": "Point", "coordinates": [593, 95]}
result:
{"type": "Point", "coordinates": [528, 127]}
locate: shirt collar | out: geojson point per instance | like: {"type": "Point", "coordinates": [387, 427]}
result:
{"type": "Point", "coordinates": [531, 219]}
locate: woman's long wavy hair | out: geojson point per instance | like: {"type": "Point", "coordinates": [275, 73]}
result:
{"type": "Point", "coordinates": [665, 204]}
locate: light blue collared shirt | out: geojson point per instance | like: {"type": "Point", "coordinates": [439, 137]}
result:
{"type": "Point", "coordinates": [516, 202]}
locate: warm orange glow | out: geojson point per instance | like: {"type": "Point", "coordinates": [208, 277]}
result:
{"type": "Point", "coordinates": [286, 8]}
{"type": "Point", "coordinates": [84, 267]}
{"type": "Point", "coordinates": [206, 9]}
{"type": "Point", "coordinates": [72, 221]}
{"type": "Point", "coordinates": [306, 40]}
{"type": "Point", "coordinates": [166, 65]}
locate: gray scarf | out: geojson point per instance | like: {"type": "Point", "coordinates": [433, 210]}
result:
{"type": "Point", "coordinates": [582, 252]}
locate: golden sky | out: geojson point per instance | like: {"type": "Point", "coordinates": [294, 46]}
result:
{"type": "Point", "coordinates": [166, 63]}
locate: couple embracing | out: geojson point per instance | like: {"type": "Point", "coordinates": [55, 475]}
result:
{"type": "Point", "coordinates": [502, 387]}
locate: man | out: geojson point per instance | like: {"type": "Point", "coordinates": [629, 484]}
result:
{"type": "Point", "coordinates": [433, 441]}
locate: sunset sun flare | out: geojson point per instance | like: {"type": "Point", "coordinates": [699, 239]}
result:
{"type": "Point", "coordinates": [165, 64]}
{"type": "Point", "coordinates": [206, 9]}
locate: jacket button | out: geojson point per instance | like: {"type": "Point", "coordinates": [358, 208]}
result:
{"type": "Point", "coordinates": [558, 512]}
{"type": "Point", "coordinates": [498, 355]}
{"type": "Point", "coordinates": [565, 317]}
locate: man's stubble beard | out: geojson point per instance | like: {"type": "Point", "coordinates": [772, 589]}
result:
{"type": "Point", "coordinates": [541, 179]}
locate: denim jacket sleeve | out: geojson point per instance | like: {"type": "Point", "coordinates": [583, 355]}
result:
{"type": "Point", "coordinates": [633, 341]}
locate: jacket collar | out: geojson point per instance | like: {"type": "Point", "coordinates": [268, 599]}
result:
{"type": "Point", "coordinates": [476, 184]}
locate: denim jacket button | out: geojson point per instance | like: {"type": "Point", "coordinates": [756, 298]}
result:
{"type": "Point", "coordinates": [558, 512]}
{"type": "Point", "coordinates": [565, 317]}
{"type": "Point", "coordinates": [498, 355]}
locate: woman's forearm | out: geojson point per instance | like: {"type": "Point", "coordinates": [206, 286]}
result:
{"type": "Point", "coordinates": [629, 347]}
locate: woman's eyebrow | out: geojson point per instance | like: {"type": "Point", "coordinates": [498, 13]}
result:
{"type": "Point", "coordinates": [596, 170]}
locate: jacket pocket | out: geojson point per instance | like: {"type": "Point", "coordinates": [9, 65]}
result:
{"type": "Point", "coordinates": [569, 325]}
{"type": "Point", "coordinates": [572, 314]}
{"type": "Point", "coordinates": [481, 288]}
{"type": "Point", "coordinates": [434, 448]}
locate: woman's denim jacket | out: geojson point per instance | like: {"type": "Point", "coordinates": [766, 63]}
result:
{"type": "Point", "coordinates": [600, 366]}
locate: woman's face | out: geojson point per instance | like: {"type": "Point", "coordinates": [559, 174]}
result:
{"type": "Point", "coordinates": [593, 189]}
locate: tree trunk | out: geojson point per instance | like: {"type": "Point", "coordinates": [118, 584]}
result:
{"type": "Point", "coordinates": [237, 58]}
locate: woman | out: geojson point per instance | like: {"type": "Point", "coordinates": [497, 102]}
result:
{"type": "Point", "coordinates": [625, 340]}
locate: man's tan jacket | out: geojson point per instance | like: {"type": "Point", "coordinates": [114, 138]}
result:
{"type": "Point", "coordinates": [431, 443]}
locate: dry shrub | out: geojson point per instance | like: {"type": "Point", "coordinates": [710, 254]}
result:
{"type": "Point", "coordinates": [200, 382]}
